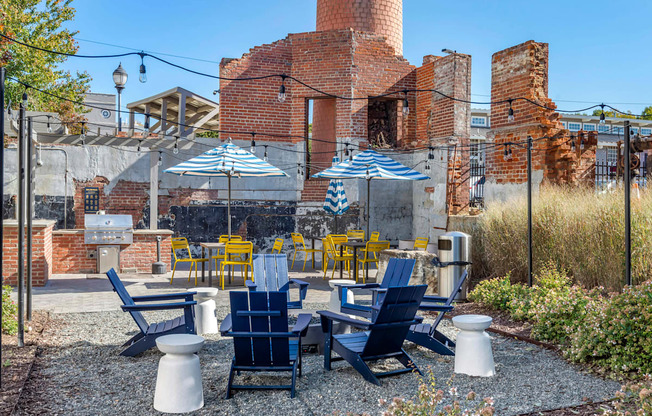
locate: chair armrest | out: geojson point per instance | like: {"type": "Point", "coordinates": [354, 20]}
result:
{"type": "Point", "coordinates": [303, 287]}
{"type": "Point", "coordinates": [418, 318]}
{"type": "Point", "coordinates": [188, 296]}
{"type": "Point", "coordinates": [426, 306]}
{"type": "Point", "coordinates": [363, 286]}
{"type": "Point", "coordinates": [158, 306]}
{"type": "Point", "coordinates": [301, 327]}
{"type": "Point", "coordinates": [226, 325]}
{"type": "Point", "coordinates": [251, 285]}
{"type": "Point", "coordinates": [434, 298]}
{"type": "Point", "coordinates": [344, 319]}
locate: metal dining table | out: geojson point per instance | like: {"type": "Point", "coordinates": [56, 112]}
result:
{"type": "Point", "coordinates": [210, 247]}
{"type": "Point", "coordinates": [354, 244]}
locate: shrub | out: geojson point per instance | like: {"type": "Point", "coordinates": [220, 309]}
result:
{"type": "Point", "coordinates": [636, 395]}
{"type": "Point", "coordinates": [430, 402]}
{"type": "Point", "coordinates": [576, 228]}
{"type": "Point", "coordinates": [9, 312]}
{"type": "Point", "coordinates": [499, 293]}
{"type": "Point", "coordinates": [616, 333]}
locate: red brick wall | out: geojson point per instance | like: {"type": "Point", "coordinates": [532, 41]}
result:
{"type": "Point", "coordinates": [41, 254]}
{"type": "Point", "coordinates": [522, 71]}
{"type": "Point", "coordinates": [69, 253]}
{"type": "Point", "coordinates": [323, 134]}
{"type": "Point", "coordinates": [384, 17]}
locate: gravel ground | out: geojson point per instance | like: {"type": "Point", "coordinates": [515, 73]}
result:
{"type": "Point", "coordinates": [81, 373]}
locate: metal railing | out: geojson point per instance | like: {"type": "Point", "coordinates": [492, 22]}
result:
{"type": "Point", "coordinates": [476, 186]}
{"type": "Point", "coordinates": [606, 175]}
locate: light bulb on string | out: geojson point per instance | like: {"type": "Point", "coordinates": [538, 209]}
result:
{"type": "Point", "coordinates": [510, 113]}
{"type": "Point", "coordinates": [139, 148]}
{"type": "Point", "coordinates": [298, 168]}
{"type": "Point", "coordinates": [510, 152]}
{"type": "Point", "coordinates": [406, 105]}
{"type": "Point", "coordinates": [252, 149]}
{"type": "Point", "coordinates": [160, 158]}
{"type": "Point", "coordinates": [82, 136]}
{"type": "Point", "coordinates": [49, 125]}
{"type": "Point", "coordinates": [175, 150]}
{"type": "Point", "coordinates": [265, 158]}
{"type": "Point", "coordinates": [232, 168]}
{"type": "Point", "coordinates": [506, 155]}
{"type": "Point", "coordinates": [281, 91]}
{"type": "Point", "coordinates": [142, 77]}
{"type": "Point", "coordinates": [346, 149]}
{"type": "Point", "coordinates": [602, 117]}
{"type": "Point", "coordinates": [573, 146]}
{"type": "Point", "coordinates": [367, 175]}
{"type": "Point", "coordinates": [427, 167]}
{"type": "Point", "coordinates": [146, 127]}
{"type": "Point", "coordinates": [582, 143]}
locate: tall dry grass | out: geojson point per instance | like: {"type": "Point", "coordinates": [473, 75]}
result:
{"type": "Point", "coordinates": [575, 228]}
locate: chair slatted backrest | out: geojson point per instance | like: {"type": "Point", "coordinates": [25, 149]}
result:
{"type": "Point", "coordinates": [375, 236]}
{"type": "Point", "coordinates": [375, 247]}
{"type": "Point", "coordinates": [338, 239]}
{"type": "Point", "coordinates": [278, 246]}
{"type": "Point", "coordinates": [394, 319]}
{"type": "Point", "coordinates": [271, 272]}
{"type": "Point", "coordinates": [356, 234]}
{"type": "Point", "coordinates": [421, 243]}
{"type": "Point", "coordinates": [180, 243]}
{"type": "Point", "coordinates": [239, 247]}
{"type": "Point", "coordinates": [263, 316]}
{"type": "Point", "coordinates": [125, 297]}
{"type": "Point", "coordinates": [298, 241]}
{"type": "Point", "coordinates": [398, 272]}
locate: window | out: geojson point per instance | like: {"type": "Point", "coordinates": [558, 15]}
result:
{"type": "Point", "coordinates": [611, 156]}
{"type": "Point", "coordinates": [646, 131]}
{"type": "Point", "coordinates": [589, 127]}
{"type": "Point", "coordinates": [603, 128]}
{"type": "Point", "coordinates": [574, 126]}
{"type": "Point", "coordinates": [479, 121]}
{"type": "Point", "coordinates": [617, 130]}
{"type": "Point", "coordinates": [634, 130]}
{"type": "Point", "coordinates": [563, 123]}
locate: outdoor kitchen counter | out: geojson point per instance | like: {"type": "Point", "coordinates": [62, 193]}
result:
{"type": "Point", "coordinates": [71, 255]}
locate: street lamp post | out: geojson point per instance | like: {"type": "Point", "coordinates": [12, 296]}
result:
{"type": "Point", "coordinates": [120, 78]}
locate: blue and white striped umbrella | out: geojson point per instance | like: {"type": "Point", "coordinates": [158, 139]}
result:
{"type": "Point", "coordinates": [371, 165]}
{"type": "Point", "coordinates": [336, 202]}
{"type": "Point", "coordinates": [226, 160]}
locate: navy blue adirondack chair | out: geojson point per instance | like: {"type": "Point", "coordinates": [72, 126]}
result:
{"type": "Point", "coordinates": [146, 339]}
{"type": "Point", "coordinates": [271, 275]}
{"type": "Point", "coordinates": [383, 338]}
{"type": "Point", "coordinates": [262, 341]}
{"type": "Point", "coordinates": [398, 273]}
{"type": "Point", "coordinates": [427, 335]}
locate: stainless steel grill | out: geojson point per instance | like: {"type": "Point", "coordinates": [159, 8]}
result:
{"type": "Point", "coordinates": [108, 229]}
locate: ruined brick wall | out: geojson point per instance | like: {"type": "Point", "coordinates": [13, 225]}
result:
{"type": "Point", "coordinates": [522, 71]}
{"type": "Point", "coordinates": [383, 17]}
{"type": "Point", "coordinates": [41, 252]}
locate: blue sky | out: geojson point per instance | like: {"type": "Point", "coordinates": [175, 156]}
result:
{"type": "Point", "coordinates": [599, 51]}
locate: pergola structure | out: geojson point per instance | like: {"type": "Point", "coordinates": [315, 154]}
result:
{"type": "Point", "coordinates": [178, 112]}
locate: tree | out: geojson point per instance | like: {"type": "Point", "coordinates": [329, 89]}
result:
{"type": "Point", "coordinates": [40, 23]}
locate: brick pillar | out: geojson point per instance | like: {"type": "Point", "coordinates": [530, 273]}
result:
{"type": "Point", "coordinates": [442, 121]}
{"type": "Point", "coordinates": [522, 72]}
{"type": "Point", "coordinates": [41, 252]}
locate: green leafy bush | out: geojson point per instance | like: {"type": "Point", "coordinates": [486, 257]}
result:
{"type": "Point", "coordinates": [9, 312]}
{"type": "Point", "coordinates": [499, 293]}
{"type": "Point", "coordinates": [616, 333]}
{"type": "Point", "coordinates": [633, 399]}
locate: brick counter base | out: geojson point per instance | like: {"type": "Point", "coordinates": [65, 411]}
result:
{"type": "Point", "coordinates": [70, 254]}
{"type": "Point", "coordinates": [41, 252]}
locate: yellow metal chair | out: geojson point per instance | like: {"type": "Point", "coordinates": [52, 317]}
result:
{"type": "Point", "coordinates": [421, 243]}
{"type": "Point", "coordinates": [333, 253]}
{"type": "Point", "coordinates": [355, 234]}
{"type": "Point", "coordinates": [370, 251]}
{"type": "Point", "coordinates": [300, 246]}
{"type": "Point", "coordinates": [375, 236]}
{"type": "Point", "coordinates": [338, 239]}
{"type": "Point", "coordinates": [181, 243]}
{"type": "Point", "coordinates": [224, 238]}
{"type": "Point", "coordinates": [278, 246]}
{"type": "Point", "coordinates": [238, 253]}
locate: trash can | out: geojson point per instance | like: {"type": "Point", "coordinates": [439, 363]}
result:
{"type": "Point", "coordinates": [454, 247]}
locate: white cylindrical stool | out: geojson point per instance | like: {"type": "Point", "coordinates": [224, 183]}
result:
{"type": "Point", "coordinates": [178, 382]}
{"type": "Point", "coordinates": [335, 303]}
{"type": "Point", "coordinates": [473, 355]}
{"type": "Point", "coordinates": [205, 313]}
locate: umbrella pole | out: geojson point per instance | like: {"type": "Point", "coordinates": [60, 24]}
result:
{"type": "Point", "coordinates": [228, 209]}
{"type": "Point", "coordinates": [335, 223]}
{"type": "Point", "coordinates": [368, 185]}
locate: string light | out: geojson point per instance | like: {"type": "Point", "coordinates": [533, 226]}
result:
{"type": "Point", "coordinates": [406, 104]}
{"type": "Point", "coordinates": [265, 158]}
{"type": "Point", "coordinates": [49, 126]}
{"type": "Point", "coordinates": [346, 149]}
{"type": "Point", "coordinates": [139, 143]}
{"type": "Point", "coordinates": [281, 90]}
{"type": "Point", "coordinates": [82, 136]}
{"type": "Point", "coordinates": [160, 158]}
{"type": "Point", "coordinates": [602, 118]}
{"type": "Point", "coordinates": [510, 113]}
{"type": "Point", "coordinates": [573, 146]}
{"type": "Point", "coordinates": [142, 77]}
{"type": "Point", "coordinates": [298, 168]}
{"type": "Point", "coordinates": [175, 150]}
{"type": "Point", "coordinates": [146, 127]}
{"type": "Point", "coordinates": [508, 152]}
{"type": "Point", "coordinates": [367, 175]}
{"type": "Point", "coordinates": [581, 141]}
{"type": "Point", "coordinates": [253, 143]}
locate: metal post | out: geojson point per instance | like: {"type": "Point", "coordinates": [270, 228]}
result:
{"type": "Point", "coordinates": [29, 214]}
{"type": "Point", "coordinates": [529, 210]}
{"type": "Point", "coordinates": [2, 192]}
{"type": "Point", "coordinates": [21, 224]}
{"type": "Point", "coordinates": [368, 187]}
{"type": "Point", "coordinates": [628, 222]}
{"type": "Point", "coordinates": [118, 110]}
{"type": "Point", "coordinates": [228, 210]}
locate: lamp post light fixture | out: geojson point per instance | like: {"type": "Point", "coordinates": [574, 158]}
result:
{"type": "Point", "coordinates": [120, 78]}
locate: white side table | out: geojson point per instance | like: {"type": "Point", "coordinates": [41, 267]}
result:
{"type": "Point", "coordinates": [335, 304]}
{"type": "Point", "coordinates": [473, 355]}
{"type": "Point", "coordinates": [205, 314]}
{"type": "Point", "coordinates": [178, 382]}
